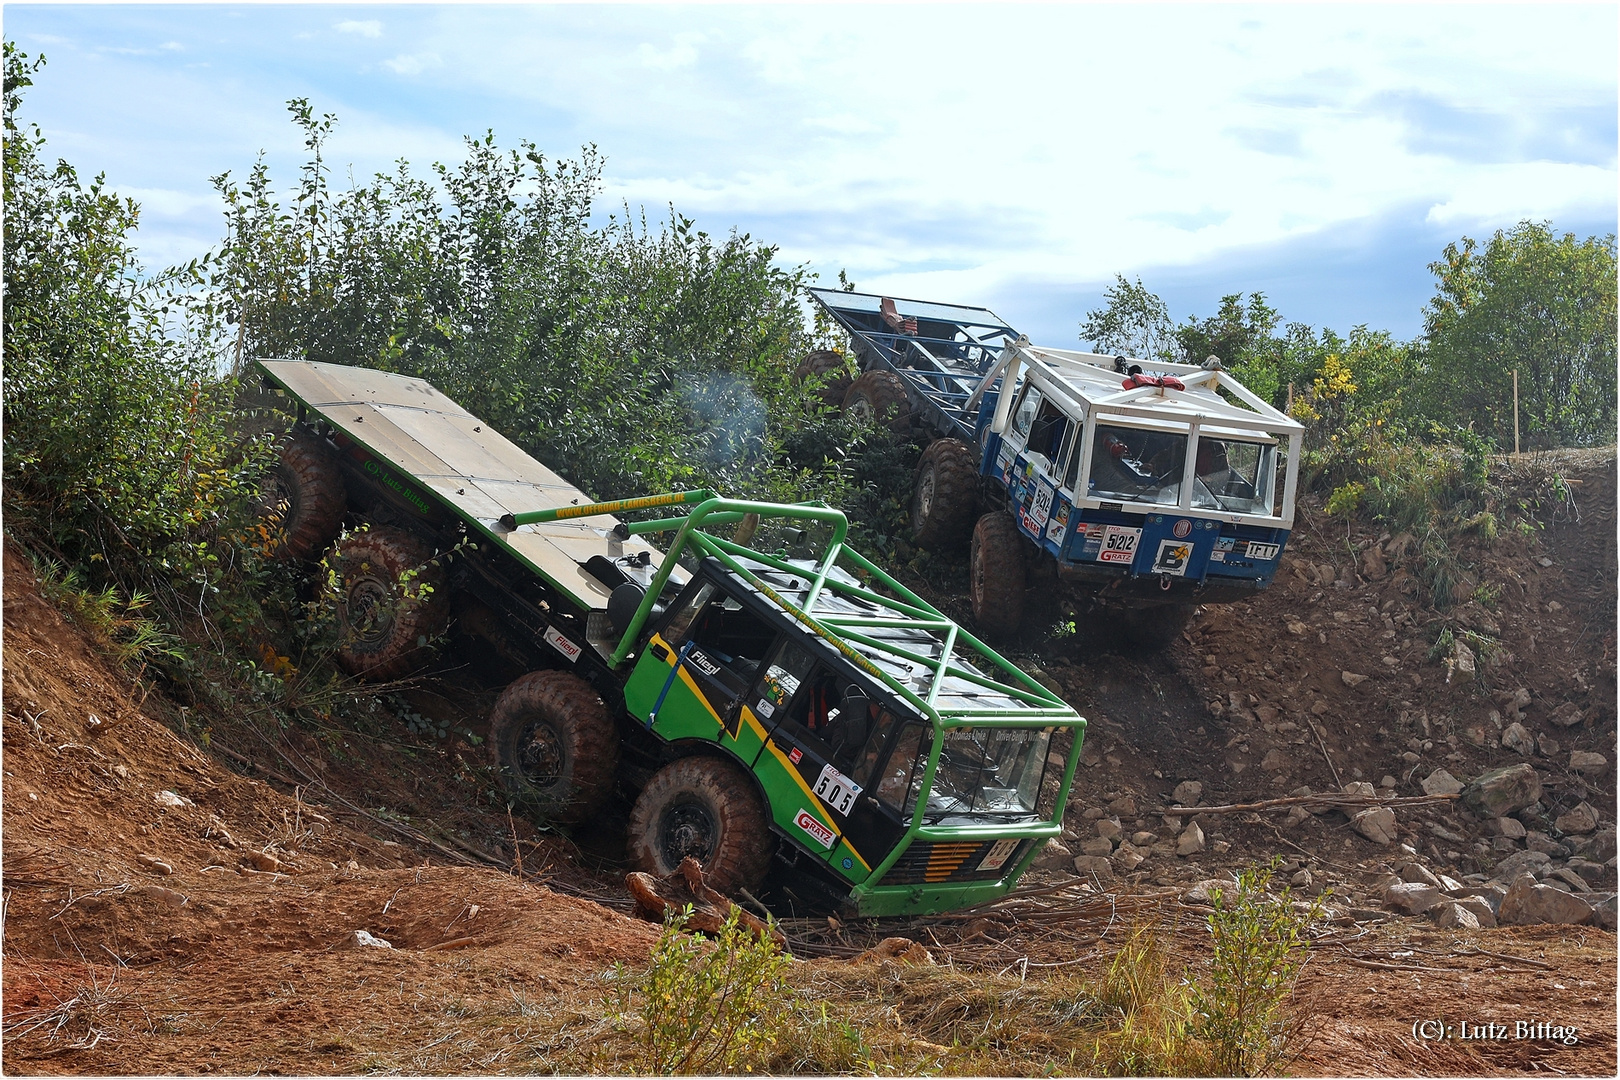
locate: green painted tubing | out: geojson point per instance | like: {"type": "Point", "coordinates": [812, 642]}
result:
{"type": "Point", "coordinates": [644, 502]}
{"type": "Point", "coordinates": [1005, 664]}
{"type": "Point", "coordinates": [640, 528]}
{"type": "Point", "coordinates": [916, 825]}
{"type": "Point", "coordinates": [699, 514]}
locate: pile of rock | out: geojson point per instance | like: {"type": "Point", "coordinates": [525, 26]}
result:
{"type": "Point", "coordinates": [1558, 870]}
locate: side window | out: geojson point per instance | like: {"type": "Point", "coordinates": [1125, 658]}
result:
{"type": "Point", "coordinates": [722, 631]}
{"type": "Point", "coordinates": [783, 677]}
{"type": "Point", "coordinates": [1027, 407]}
{"type": "Point", "coordinates": [680, 621]}
{"type": "Point", "coordinates": [1046, 433]}
{"type": "Point", "coordinates": [1071, 475]}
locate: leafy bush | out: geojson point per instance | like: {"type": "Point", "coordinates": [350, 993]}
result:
{"type": "Point", "coordinates": [706, 1005]}
{"type": "Point", "coordinates": [118, 452]}
{"type": "Point", "coordinates": [628, 358]}
{"type": "Point", "coordinates": [1257, 947]}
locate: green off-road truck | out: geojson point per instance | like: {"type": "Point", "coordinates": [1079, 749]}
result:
{"type": "Point", "coordinates": [798, 713]}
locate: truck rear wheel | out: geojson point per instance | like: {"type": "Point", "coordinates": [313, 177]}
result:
{"type": "Point", "coordinates": [706, 808]}
{"type": "Point", "coordinates": [829, 364]}
{"type": "Point", "coordinates": [555, 746]}
{"type": "Point", "coordinates": [303, 499]}
{"type": "Point", "coordinates": [1155, 628]}
{"type": "Point", "coordinates": [879, 397]}
{"type": "Point", "coordinates": [943, 497]}
{"type": "Point", "coordinates": [387, 624]}
{"type": "Point", "coordinates": [996, 574]}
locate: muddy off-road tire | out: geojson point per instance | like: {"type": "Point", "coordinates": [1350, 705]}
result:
{"type": "Point", "coordinates": [706, 808]}
{"type": "Point", "coordinates": [944, 495]}
{"type": "Point", "coordinates": [996, 574]}
{"type": "Point", "coordinates": [386, 630]}
{"type": "Point", "coordinates": [555, 746]}
{"type": "Point", "coordinates": [831, 365]}
{"type": "Point", "coordinates": [1154, 628]}
{"type": "Point", "coordinates": [879, 397]}
{"type": "Point", "coordinates": [303, 498]}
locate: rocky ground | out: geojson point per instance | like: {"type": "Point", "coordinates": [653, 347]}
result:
{"type": "Point", "coordinates": [183, 893]}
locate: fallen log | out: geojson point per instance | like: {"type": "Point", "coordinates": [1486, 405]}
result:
{"type": "Point", "coordinates": [657, 897]}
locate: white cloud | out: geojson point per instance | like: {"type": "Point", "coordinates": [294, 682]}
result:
{"type": "Point", "coordinates": [405, 64]}
{"type": "Point", "coordinates": [683, 53]}
{"type": "Point", "coordinates": [364, 27]}
{"type": "Point", "coordinates": [172, 46]}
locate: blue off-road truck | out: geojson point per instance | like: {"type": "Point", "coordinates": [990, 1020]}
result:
{"type": "Point", "coordinates": [1145, 487]}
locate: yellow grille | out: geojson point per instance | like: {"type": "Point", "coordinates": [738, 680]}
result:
{"type": "Point", "coordinates": [945, 858]}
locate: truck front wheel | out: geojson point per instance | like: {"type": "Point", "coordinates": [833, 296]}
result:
{"type": "Point", "coordinates": [879, 397]}
{"type": "Point", "coordinates": [706, 808]}
{"type": "Point", "coordinates": [391, 602]}
{"type": "Point", "coordinates": [1155, 628]}
{"type": "Point", "coordinates": [555, 746]}
{"type": "Point", "coordinates": [303, 499]}
{"type": "Point", "coordinates": [943, 498]}
{"type": "Point", "coordinates": [996, 574]}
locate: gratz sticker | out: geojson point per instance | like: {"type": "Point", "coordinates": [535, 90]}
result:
{"type": "Point", "coordinates": [562, 644]}
{"type": "Point", "coordinates": [817, 831]}
{"type": "Point", "coordinates": [836, 790]}
{"type": "Point", "coordinates": [1000, 852]}
{"type": "Point", "coordinates": [1119, 544]}
{"type": "Point", "coordinates": [1172, 559]}
{"type": "Point", "coordinates": [1257, 550]}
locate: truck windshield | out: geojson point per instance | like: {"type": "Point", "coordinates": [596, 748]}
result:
{"type": "Point", "coordinates": [1235, 475]}
{"type": "Point", "coordinates": [1136, 465]}
{"type": "Point", "coordinates": [981, 771]}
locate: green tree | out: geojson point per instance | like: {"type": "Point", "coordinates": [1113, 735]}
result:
{"type": "Point", "coordinates": [1133, 321]}
{"type": "Point", "coordinates": [627, 357]}
{"type": "Point", "coordinates": [1536, 302]}
{"type": "Point", "coordinates": [117, 453]}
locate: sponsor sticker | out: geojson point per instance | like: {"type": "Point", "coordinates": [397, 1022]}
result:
{"type": "Point", "coordinates": [1059, 522]}
{"type": "Point", "coordinates": [1041, 509]}
{"type": "Point", "coordinates": [816, 830]}
{"type": "Point", "coordinates": [765, 709]}
{"type": "Point", "coordinates": [1181, 528]}
{"type": "Point", "coordinates": [1118, 544]}
{"type": "Point", "coordinates": [795, 754]}
{"type": "Point", "coordinates": [1257, 550]}
{"type": "Point", "coordinates": [1004, 457]}
{"type": "Point", "coordinates": [999, 853]}
{"type": "Point", "coordinates": [698, 659]}
{"type": "Point", "coordinates": [562, 644]}
{"type": "Point", "coordinates": [836, 790]}
{"type": "Point", "coordinates": [1173, 557]}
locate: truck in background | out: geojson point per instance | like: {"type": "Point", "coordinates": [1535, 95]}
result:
{"type": "Point", "coordinates": [1144, 487]}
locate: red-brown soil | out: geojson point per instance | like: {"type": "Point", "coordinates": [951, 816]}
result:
{"type": "Point", "coordinates": [112, 965]}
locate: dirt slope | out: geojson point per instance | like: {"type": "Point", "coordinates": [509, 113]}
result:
{"type": "Point", "coordinates": [236, 954]}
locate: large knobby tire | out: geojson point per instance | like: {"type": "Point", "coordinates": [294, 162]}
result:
{"type": "Point", "coordinates": [996, 574]}
{"type": "Point", "coordinates": [387, 627]}
{"type": "Point", "coordinates": [879, 397]}
{"type": "Point", "coordinates": [707, 808]}
{"type": "Point", "coordinates": [303, 497]}
{"type": "Point", "coordinates": [944, 495]}
{"type": "Point", "coordinates": [1155, 628]}
{"type": "Point", "coordinates": [555, 746]}
{"type": "Point", "coordinates": [827, 364]}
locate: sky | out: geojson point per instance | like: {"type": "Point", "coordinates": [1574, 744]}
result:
{"type": "Point", "coordinates": [1010, 156]}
